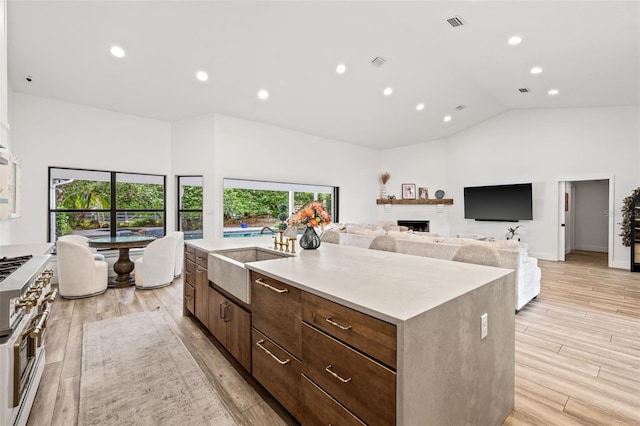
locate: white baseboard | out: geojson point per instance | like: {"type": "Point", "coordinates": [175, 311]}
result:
{"type": "Point", "coordinates": [620, 264]}
{"type": "Point", "coordinates": [598, 249]}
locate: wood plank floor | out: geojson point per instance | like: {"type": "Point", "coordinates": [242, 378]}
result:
{"type": "Point", "coordinates": [577, 350]}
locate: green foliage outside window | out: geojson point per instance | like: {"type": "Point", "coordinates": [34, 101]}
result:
{"type": "Point", "coordinates": [252, 202]}
{"type": "Point", "coordinates": [139, 196]}
{"type": "Point", "coordinates": [191, 198]}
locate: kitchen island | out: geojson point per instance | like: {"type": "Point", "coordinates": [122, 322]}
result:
{"type": "Point", "coordinates": [441, 370]}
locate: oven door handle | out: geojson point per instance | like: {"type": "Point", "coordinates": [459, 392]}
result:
{"type": "Point", "coordinates": [38, 328]}
{"type": "Point", "coordinates": [51, 296]}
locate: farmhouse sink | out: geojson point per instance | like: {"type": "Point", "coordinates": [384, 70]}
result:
{"type": "Point", "coordinates": [227, 268]}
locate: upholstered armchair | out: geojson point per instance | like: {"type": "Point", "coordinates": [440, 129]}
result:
{"type": "Point", "coordinates": [179, 236]}
{"type": "Point", "coordinates": [83, 241]}
{"type": "Point", "coordinates": [79, 274]}
{"type": "Point", "coordinates": [156, 267]}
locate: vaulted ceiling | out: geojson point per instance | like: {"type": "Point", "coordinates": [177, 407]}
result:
{"type": "Point", "coordinates": [588, 50]}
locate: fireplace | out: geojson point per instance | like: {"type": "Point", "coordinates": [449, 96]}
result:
{"type": "Point", "coordinates": [415, 225]}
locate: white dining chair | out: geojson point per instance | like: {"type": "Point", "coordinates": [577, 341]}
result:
{"type": "Point", "coordinates": [157, 265]}
{"type": "Point", "coordinates": [83, 241]}
{"type": "Point", "coordinates": [179, 235]}
{"type": "Point", "coordinates": [79, 274]}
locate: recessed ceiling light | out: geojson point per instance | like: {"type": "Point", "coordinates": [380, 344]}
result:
{"type": "Point", "coordinates": [202, 76]}
{"type": "Point", "coordinates": [515, 40]}
{"type": "Point", "coordinates": [263, 94]}
{"type": "Point", "coordinates": [117, 51]}
{"type": "Point", "coordinates": [420, 107]}
{"type": "Point", "coordinates": [553, 92]}
{"type": "Point", "coordinates": [341, 68]}
{"type": "Point", "coordinates": [447, 119]}
{"type": "Point", "coordinates": [388, 91]}
{"type": "Point", "coordinates": [536, 70]}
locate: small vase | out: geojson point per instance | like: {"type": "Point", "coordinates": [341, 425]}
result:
{"type": "Point", "coordinates": [383, 192]}
{"type": "Point", "coordinates": [309, 240]}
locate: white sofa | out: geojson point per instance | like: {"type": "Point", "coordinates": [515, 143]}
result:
{"type": "Point", "coordinates": [513, 254]}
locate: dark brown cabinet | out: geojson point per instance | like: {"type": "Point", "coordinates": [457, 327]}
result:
{"type": "Point", "coordinates": [277, 333]}
{"type": "Point", "coordinates": [201, 287]}
{"type": "Point", "coordinates": [231, 325]}
{"type": "Point", "coordinates": [278, 371]}
{"type": "Point", "coordinates": [347, 359]}
{"type": "Point", "coordinates": [189, 291]}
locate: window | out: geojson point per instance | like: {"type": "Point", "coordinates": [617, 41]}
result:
{"type": "Point", "coordinates": [190, 206]}
{"type": "Point", "coordinates": [251, 205]}
{"type": "Point", "coordinates": [103, 203]}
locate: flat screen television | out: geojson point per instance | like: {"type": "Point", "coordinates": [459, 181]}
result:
{"type": "Point", "coordinates": [499, 203]}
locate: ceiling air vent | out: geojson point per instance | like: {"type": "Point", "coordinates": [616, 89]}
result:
{"type": "Point", "coordinates": [524, 90]}
{"type": "Point", "coordinates": [378, 61]}
{"type": "Point", "coordinates": [461, 107]}
{"type": "Point", "coordinates": [455, 22]}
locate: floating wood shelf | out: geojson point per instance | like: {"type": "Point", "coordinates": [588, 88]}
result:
{"type": "Point", "coordinates": [429, 201]}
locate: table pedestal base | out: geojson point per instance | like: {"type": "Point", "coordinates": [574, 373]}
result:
{"type": "Point", "coordinates": [123, 268]}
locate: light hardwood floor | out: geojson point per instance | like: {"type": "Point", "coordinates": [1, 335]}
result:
{"type": "Point", "coordinates": [577, 350]}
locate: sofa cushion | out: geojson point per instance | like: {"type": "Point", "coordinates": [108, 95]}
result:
{"type": "Point", "coordinates": [425, 249]}
{"type": "Point", "coordinates": [478, 254]}
{"type": "Point", "coordinates": [384, 243]}
{"type": "Point", "coordinates": [331, 236]}
{"type": "Point", "coordinates": [361, 230]}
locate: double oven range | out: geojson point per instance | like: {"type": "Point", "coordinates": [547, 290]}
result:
{"type": "Point", "coordinates": [25, 303]}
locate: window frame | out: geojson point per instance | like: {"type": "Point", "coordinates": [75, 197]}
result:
{"type": "Point", "coordinates": [292, 188]}
{"type": "Point", "coordinates": [179, 208]}
{"type": "Point", "coordinates": [113, 210]}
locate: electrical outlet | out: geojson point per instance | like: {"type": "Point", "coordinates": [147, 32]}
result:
{"type": "Point", "coordinates": [484, 325]}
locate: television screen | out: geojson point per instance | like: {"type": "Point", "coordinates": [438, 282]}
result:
{"type": "Point", "coordinates": [500, 203]}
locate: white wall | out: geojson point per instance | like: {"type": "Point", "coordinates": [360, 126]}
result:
{"type": "Point", "coordinates": [591, 225]}
{"type": "Point", "coordinates": [5, 140]}
{"type": "Point", "coordinates": [47, 133]}
{"type": "Point", "coordinates": [544, 147]}
{"type": "Point", "coordinates": [539, 146]}
{"type": "Point", "coordinates": [424, 165]}
{"type": "Point", "coordinates": [248, 150]}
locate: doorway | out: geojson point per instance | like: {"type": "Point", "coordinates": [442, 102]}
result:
{"type": "Point", "coordinates": [585, 224]}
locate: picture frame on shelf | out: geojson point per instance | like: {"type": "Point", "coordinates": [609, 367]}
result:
{"type": "Point", "coordinates": [423, 193]}
{"type": "Point", "coordinates": [408, 191]}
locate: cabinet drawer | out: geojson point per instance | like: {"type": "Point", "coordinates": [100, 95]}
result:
{"type": "Point", "coordinates": [201, 258]}
{"type": "Point", "coordinates": [189, 269]}
{"type": "Point", "coordinates": [189, 298]}
{"type": "Point", "coordinates": [365, 387]}
{"type": "Point", "coordinates": [190, 253]}
{"type": "Point", "coordinates": [278, 371]}
{"type": "Point", "coordinates": [370, 335]}
{"type": "Point", "coordinates": [320, 409]}
{"type": "Point", "coordinates": [277, 312]}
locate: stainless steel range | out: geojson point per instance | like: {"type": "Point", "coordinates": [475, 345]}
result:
{"type": "Point", "coordinates": [25, 303]}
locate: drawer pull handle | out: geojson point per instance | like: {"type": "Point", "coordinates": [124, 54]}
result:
{"type": "Point", "coordinates": [188, 272]}
{"type": "Point", "coordinates": [270, 287]}
{"type": "Point", "coordinates": [328, 370]}
{"type": "Point", "coordinates": [200, 257]}
{"type": "Point", "coordinates": [285, 362]}
{"type": "Point", "coordinates": [342, 327]}
{"type": "Point", "coordinates": [188, 297]}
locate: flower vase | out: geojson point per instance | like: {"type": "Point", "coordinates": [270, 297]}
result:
{"type": "Point", "coordinates": [383, 192]}
{"type": "Point", "coordinates": [309, 240]}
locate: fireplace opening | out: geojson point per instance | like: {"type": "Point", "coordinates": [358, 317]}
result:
{"type": "Point", "coordinates": [415, 225]}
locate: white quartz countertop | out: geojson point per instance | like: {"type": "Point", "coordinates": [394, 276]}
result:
{"type": "Point", "coordinates": [390, 286]}
{"type": "Point", "coordinates": [15, 250]}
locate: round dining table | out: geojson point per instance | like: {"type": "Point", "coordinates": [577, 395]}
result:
{"type": "Point", "coordinates": [124, 265]}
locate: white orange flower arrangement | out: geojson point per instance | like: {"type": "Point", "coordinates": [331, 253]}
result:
{"type": "Point", "coordinates": [311, 215]}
